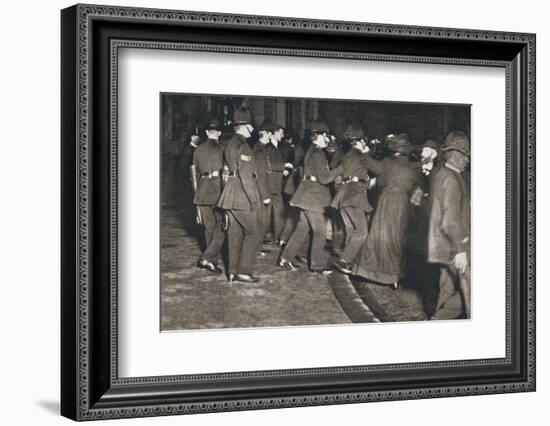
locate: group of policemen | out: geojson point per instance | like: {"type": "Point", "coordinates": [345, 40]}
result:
{"type": "Point", "coordinates": [244, 193]}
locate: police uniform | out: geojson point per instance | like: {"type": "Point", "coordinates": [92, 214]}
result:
{"type": "Point", "coordinates": [351, 200]}
{"type": "Point", "coordinates": [208, 162]}
{"type": "Point", "coordinates": [312, 197]}
{"type": "Point", "coordinates": [240, 199]}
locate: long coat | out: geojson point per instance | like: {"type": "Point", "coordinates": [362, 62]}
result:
{"type": "Point", "coordinates": [261, 156]}
{"type": "Point", "coordinates": [383, 256]}
{"type": "Point", "coordinates": [275, 169]}
{"type": "Point", "coordinates": [208, 158]}
{"type": "Point", "coordinates": [240, 192]}
{"type": "Point", "coordinates": [315, 196]}
{"type": "Point", "coordinates": [449, 230]}
{"type": "Point", "coordinates": [353, 194]}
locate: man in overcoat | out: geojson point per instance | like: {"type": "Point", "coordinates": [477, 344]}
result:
{"type": "Point", "coordinates": [240, 199]}
{"type": "Point", "coordinates": [261, 156]}
{"type": "Point", "coordinates": [277, 167]}
{"type": "Point", "coordinates": [208, 162]}
{"type": "Point", "coordinates": [449, 229]}
{"type": "Point", "coordinates": [312, 197]}
{"type": "Point", "coordinates": [351, 199]}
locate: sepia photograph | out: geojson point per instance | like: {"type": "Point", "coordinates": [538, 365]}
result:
{"type": "Point", "coordinates": [297, 212]}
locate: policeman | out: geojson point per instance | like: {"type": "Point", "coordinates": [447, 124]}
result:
{"type": "Point", "coordinates": [208, 162]}
{"type": "Point", "coordinates": [312, 197]}
{"type": "Point", "coordinates": [240, 199]}
{"type": "Point", "coordinates": [351, 199]}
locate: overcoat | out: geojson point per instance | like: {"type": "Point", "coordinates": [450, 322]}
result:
{"type": "Point", "coordinates": [315, 195]}
{"type": "Point", "coordinates": [261, 156]}
{"type": "Point", "coordinates": [240, 192]}
{"type": "Point", "coordinates": [449, 230]}
{"type": "Point", "coordinates": [208, 158]}
{"type": "Point", "coordinates": [275, 169]}
{"type": "Point", "coordinates": [353, 194]}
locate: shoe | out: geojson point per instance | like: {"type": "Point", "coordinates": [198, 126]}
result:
{"type": "Point", "coordinates": [261, 253]}
{"type": "Point", "coordinates": [302, 259]}
{"type": "Point", "coordinates": [205, 264]}
{"type": "Point", "coordinates": [342, 266]}
{"type": "Point", "coordinates": [281, 243]}
{"type": "Point", "coordinates": [231, 278]}
{"type": "Point", "coordinates": [324, 271]}
{"type": "Point", "coordinates": [246, 278]}
{"type": "Point", "coordinates": [394, 286]}
{"type": "Point", "coordinates": [283, 263]}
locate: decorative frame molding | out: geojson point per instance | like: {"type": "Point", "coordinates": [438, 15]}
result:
{"type": "Point", "coordinates": [87, 397]}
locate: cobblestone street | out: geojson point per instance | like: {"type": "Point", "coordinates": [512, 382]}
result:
{"type": "Point", "coordinates": [192, 298]}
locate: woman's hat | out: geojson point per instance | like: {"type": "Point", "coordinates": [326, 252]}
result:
{"type": "Point", "coordinates": [398, 143]}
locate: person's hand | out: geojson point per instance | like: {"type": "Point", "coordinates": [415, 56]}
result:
{"type": "Point", "coordinates": [286, 173]}
{"type": "Point", "coordinates": [460, 262]}
{"type": "Point", "coordinates": [267, 201]}
{"type": "Point", "coordinates": [372, 182]}
{"type": "Point", "coordinates": [338, 180]}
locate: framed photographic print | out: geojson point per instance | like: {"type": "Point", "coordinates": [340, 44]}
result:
{"type": "Point", "coordinates": [263, 212]}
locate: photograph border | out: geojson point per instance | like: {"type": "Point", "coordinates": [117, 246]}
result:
{"type": "Point", "coordinates": [91, 388]}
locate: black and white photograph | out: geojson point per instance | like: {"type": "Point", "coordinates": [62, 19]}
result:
{"type": "Point", "coordinates": [308, 211]}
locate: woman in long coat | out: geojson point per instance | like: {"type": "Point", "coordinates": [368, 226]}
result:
{"type": "Point", "coordinates": [382, 257]}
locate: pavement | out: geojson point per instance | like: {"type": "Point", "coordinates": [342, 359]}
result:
{"type": "Point", "coordinates": [193, 298]}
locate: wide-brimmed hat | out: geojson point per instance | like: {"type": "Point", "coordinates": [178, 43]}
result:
{"type": "Point", "coordinates": [457, 141]}
{"type": "Point", "coordinates": [214, 124]}
{"type": "Point", "coordinates": [242, 116]}
{"type": "Point", "coordinates": [398, 143]}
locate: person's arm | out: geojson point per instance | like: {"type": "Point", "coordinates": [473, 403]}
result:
{"type": "Point", "coordinates": [451, 220]}
{"type": "Point", "coordinates": [374, 166]}
{"type": "Point", "coordinates": [321, 170]}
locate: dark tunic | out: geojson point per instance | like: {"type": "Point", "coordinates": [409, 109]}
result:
{"type": "Point", "coordinates": [354, 194]}
{"type": "Point", "coordinates": [240, 192]}
{"type": "Point", "coordinates": [208, 158]}
{"type": "Point", "coordinates": [382, 257]}
{"type": "Point", "coordinates": [315, 195]}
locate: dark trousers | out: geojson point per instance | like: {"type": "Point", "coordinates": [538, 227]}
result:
{"type": "Point", "coordinates": [274, 213]}
{"type": "Point", "coordinates": [310, 225]}
{"type": "Point", "coordinates": [356, 229]}
{"type": "Point", "coordinates": [292, 218]}
{"type": "Point", "coordinates": [278, 215]}
{"type": "Point", "coordinates": [454, 294]}
{"type": "Point", "coordinates": [214, 235]}
{"type": "Point", "coordinates": [242, 238]}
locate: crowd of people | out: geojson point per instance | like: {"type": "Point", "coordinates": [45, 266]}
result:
{"type": "Point", "coordinates": [387, 210]}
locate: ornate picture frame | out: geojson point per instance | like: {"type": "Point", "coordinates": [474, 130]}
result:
{"type": "Point", "coordinates": [91, 386]}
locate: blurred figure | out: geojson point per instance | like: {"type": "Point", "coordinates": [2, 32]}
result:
{"type": "Point", "coordinates": [449, 231]}
{"type": "Point", "coordinates": [312, 197]}
{"type": "Point", "coordinates": [382, 258]}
